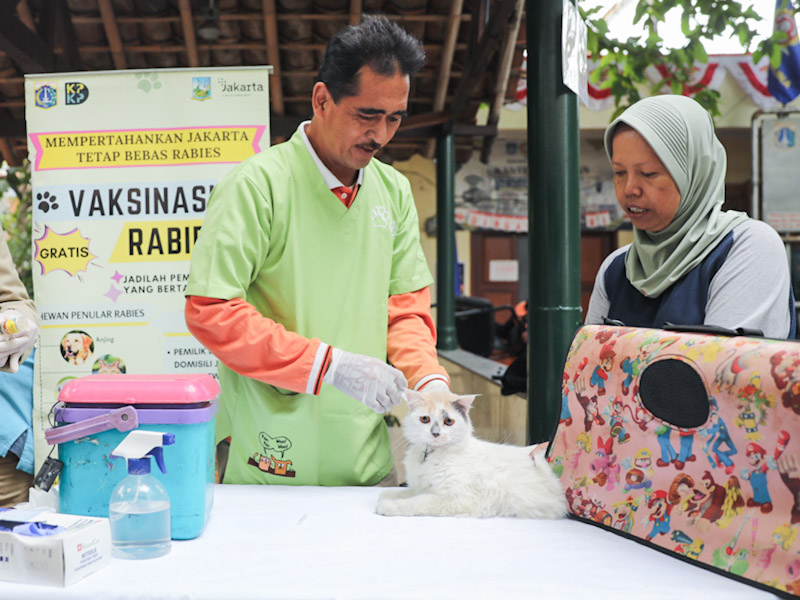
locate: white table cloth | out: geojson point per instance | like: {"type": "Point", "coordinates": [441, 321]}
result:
{"type": "Point", "coordinates": [305, 542]}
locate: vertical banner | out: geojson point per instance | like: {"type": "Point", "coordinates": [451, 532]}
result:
{"type": "Point", "coordinates": [123, 164]}
{"type": "Point", "coordinates": [780, 156]}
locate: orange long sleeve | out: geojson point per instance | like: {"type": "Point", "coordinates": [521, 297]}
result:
{"type": "Point", "coordinates": [255, 346]}
{"type": "Point", "coordinates": [411, 339]}
{"type": "Point", "coordinates": [258, 347]}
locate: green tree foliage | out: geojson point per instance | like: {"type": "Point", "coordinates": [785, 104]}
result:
{"type": "Point", "coordinates": [17, 222]}
{"type": "Point", "coordinates": [622, 62]}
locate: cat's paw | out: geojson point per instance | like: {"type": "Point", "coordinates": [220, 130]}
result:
{"type": "Point", "coordinates": [388, 507]}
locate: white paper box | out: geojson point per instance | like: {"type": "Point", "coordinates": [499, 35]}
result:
{"type": "Point", "coordinates": [83, 547]}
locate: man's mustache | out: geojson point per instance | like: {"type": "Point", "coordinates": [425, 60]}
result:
{"type": "Point", "coordinates": [371, 146]}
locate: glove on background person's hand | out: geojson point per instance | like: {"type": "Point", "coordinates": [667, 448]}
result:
{"type": "Point", "coordinates": [13, 346]}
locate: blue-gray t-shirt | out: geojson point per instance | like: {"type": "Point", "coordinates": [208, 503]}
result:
{"type": "Point", "coordinates": [743, 282]}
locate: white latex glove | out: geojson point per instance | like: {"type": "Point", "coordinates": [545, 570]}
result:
{"type": "Point", "coordinates": [435, 384]}
{"type": "Point", "coordinates": [14, 345]}
{"type": "Point", "coordinates": [366, 379]}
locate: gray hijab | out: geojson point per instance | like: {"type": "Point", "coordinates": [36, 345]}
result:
{"type": "Point", "coordinates": [681, 133]}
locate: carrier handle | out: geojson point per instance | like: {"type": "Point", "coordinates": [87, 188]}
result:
{"type": "Point", "coordinates": [714, 330]}
{"type": "Point", "coordinates": [124, 418]}
{"type": "Point", "coordinates": [711, 329]}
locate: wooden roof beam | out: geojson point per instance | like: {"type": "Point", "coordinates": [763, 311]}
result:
{"type": "Point", "coordinates": [112, 34]}
{"type": "Point", "coordinates": [25, 15]}
{"type": "Point", "coordinates": [423, 120]}
{"type": "Point", "coordinates": [476, 67]}
{"type": "Point", "coordinates": [8, 154]}
{"type": "Point", "coordinates": [22, 45]}
{"type": "Point", "coordinates": [448, 50]}
{"type": "Point", "coordinates": [273, 55]}
{"type": "Point", "coordinates": [55, 29]}
{"type": "Point", "coordinates": [189, 37]}
{"type": "Point", "coordinates": [356, 7]}
{"type": "Point", "coordinates": [248, 16]}
{"type": "Point", "coordinates": [171, 47]}
{"type": "Point", "coordinates": [504, 73]}
{"type": "Point", "coordinates": [10, 128]}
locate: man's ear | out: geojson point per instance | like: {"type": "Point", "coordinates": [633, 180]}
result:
{"type": "Point", "coordinates": [320, 98]}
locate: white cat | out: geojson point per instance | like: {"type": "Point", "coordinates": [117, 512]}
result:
{"type": "Point", "coordinates": [452, 473]}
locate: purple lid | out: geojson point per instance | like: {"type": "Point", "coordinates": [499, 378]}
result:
{"type": "Point", "coordinates": [149, 416]}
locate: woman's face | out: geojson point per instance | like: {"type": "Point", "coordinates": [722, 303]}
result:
{"type": "Point", "coordinates": [645, 189]}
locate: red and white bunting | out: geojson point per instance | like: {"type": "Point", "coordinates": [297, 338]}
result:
{"type": "Point", "coordinates": [751, 78]}
{"type": "Point", "coordinates": [478, 219]}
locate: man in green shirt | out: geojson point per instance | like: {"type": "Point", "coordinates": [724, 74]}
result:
{"type": "Point", "coordinates": [308, 276]}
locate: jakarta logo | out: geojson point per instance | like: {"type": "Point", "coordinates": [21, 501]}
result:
{"type": "Point", "coordinates": [45, 95]}
{"type": "Point", "coordinates": [201, 88]}
{"type": "Point", "coordinates": [75, 93]}
{"type": "Point", "coordinates": [785, 137]}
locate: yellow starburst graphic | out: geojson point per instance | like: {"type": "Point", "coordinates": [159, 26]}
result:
{"type": "Point", "coordinates": [66, 251]}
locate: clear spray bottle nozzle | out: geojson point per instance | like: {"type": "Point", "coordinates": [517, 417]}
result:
{"type": "Point", "coordinates": [140, 444]}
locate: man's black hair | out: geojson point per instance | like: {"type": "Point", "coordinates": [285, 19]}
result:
{"type": "Point", "coordinates": [377, 42]}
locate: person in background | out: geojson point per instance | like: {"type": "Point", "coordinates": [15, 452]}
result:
{"type": "Point", "coordinates": [19, 329]}
{"type": "Point", "coordinates": [690, 262]}
{"type": "Point", "coordinates": [308, 276]}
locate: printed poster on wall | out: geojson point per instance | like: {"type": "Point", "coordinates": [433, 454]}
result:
{"type": "Point", "coordinates": [494, 196]}
{"type": "Point", "coordinates": [123, 164]}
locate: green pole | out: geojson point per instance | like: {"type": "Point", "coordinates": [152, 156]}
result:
{"type": "Point", "coordinates": [554, 311]}
{"type": "Point", "coordinates": [445, 242]}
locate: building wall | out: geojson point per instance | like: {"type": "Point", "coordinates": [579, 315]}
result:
{"type": "Point", "coordinates": [421, 172]}
{"type": "Point", "coordinates": [733, 129]}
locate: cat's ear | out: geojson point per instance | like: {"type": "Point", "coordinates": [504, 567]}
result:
{"type": "Point", "coordinates": [465, 402]}
{"type": "Point", "coordinates": [413, 397]}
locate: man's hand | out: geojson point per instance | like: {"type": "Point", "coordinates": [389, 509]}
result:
{"type": "Point", "coordinates": [366, 379]}
{"type": "Point", "coordinates": [14, 345]}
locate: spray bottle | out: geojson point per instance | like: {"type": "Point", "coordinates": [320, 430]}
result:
{"type": "Point", "coordinates": [139, 510]}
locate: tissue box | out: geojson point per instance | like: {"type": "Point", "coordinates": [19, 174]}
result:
{"type": "Point", "coordinates": [60, 559]}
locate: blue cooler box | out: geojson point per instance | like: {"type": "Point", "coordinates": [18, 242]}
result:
{"type": "Point", "coordinates": [95, 413]}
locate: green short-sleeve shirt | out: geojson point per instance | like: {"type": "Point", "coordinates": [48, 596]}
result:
{"type": "Point", "coordinates": [276, 236]}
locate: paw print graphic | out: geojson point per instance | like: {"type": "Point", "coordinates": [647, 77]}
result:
{"type": "Point", "coordinates": [45, 202]}
{"type": "Point", "coordinates": [148, 81]}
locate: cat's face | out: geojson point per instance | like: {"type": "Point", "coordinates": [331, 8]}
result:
{"type": "Point", "coordinates": [437, 418]}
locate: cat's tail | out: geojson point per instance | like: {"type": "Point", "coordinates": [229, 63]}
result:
{"type": "Point", "coordinates": [537, 452]}
{"type": "Point", "coordinates": [550, 499]}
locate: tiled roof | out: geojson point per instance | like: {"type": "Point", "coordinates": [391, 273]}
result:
{"type": "Point", "coordinates": [474, 50]}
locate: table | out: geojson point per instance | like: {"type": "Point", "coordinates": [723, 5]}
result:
{"type": "Point", "coordinates": [313, 542]}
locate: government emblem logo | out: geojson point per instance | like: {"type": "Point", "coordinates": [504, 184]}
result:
{"type": "Point", "coordinates": [201, 88]}
{"type": "Point", "coordinates": [785, 137]}
{"type": "Point", "coordinates": [45, 95]}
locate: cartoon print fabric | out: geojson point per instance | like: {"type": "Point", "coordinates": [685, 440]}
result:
{"type": "Point", "coordinates": [725, 493]}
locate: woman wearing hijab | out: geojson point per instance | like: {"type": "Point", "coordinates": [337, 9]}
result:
{"type": "Point", "coordinates": [690, 262]}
